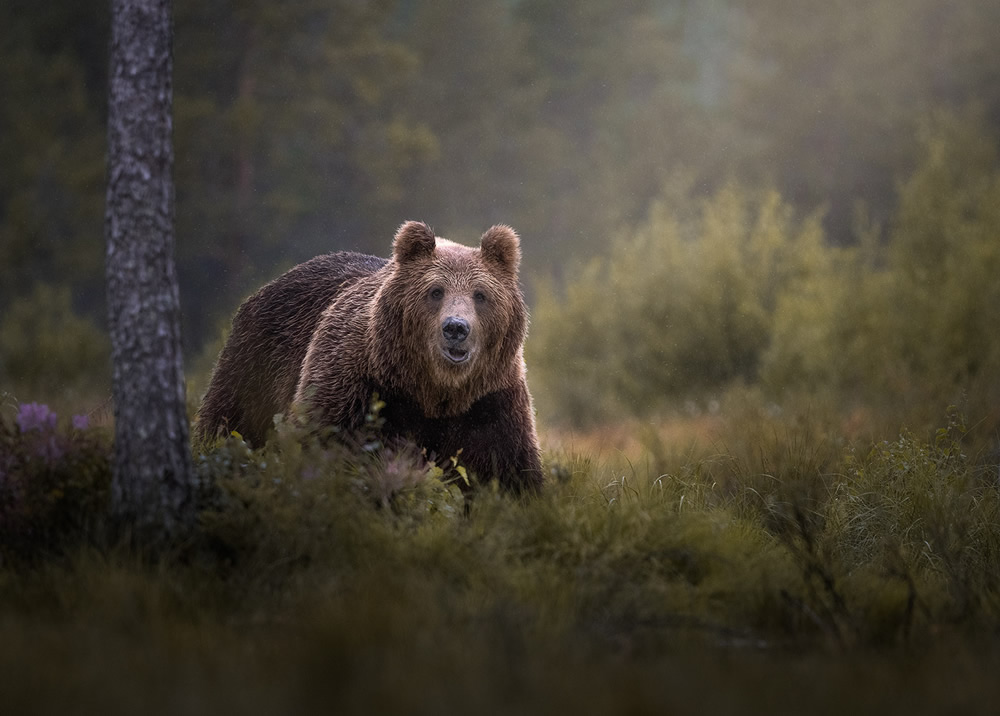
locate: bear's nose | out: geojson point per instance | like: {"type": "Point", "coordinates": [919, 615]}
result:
{"type": "Point", "coordinates": [455, 329]}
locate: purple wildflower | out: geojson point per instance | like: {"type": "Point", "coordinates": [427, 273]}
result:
{"type": "Point", "coordinates": [35, 416]}
{"type": "Point", "coordinates": [81, 422]}
{"type": "Point", "coordinates": [49, 449]}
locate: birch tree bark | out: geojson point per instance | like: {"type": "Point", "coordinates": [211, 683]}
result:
{"type": "Point", "coordinates": [153, 486]}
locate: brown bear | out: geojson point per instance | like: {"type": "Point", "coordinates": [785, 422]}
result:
{"type": "Point", "coordinates": [437, 331]}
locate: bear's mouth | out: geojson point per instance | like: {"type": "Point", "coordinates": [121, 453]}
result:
{"type": "Point", "coordinates": [456, 354]}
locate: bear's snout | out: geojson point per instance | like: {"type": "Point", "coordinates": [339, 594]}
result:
{"type": "Point", "coordinates": [455, 329]}
{"type": "Point", "coordinates": [456, 349]}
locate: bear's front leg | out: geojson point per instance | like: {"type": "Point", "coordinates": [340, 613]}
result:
{"type": "Point", "coordinates": [331, 393]}
{"type": "Point", "coordinates": [497, 440]}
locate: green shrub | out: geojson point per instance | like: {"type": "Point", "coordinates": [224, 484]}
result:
{"type": "Point", "coordinates": [923, 513]}
{"type": "Point", "coordinates": [742, 291]}
{"type": "Point", "coordinates": [356, 577]}
{"type": "Point", "coordinates": [913, 322]}
{"type": "Point", "coordinates": [54, 483]}
{"type": "Point", "coordinates": [945, 255]}
{"type": "Point", "coordinates": [684, 304]}
{"type": "Point", "coordinates": [48, 351]}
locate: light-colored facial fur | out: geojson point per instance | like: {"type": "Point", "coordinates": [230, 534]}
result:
{"type": "Point", "coordinates": [461, 311]}
{"type": "Point", "coordinates": [459, 292]}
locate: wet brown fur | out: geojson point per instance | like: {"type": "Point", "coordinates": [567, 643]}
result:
{"type": "Point", "coordinates": [336, 329]}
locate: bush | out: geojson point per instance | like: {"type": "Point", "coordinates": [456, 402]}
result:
{"type": "Point", "coordinates": [330, 573]}
{"type": "Point", "coordinates": [47, 350]}
{"type": "Point", "coordinates": [684, 304]}
{"type": "Point", "coordinates": [54, 483]}
{"type": "Point", "coordinates": [912, 321]}
{"type": "Point", "coordinates": [945, 256]}
{"type": "Point", "coordinates": [742, 291]}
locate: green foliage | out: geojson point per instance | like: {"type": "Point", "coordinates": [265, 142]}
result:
{"type": "Point", "coordinates": [289, 140]}
{"type": "Point", "coordinates": [47, 350]}
{"type": "Point", "coordinates": [944, 247]}
{"type": "Point", "coordinates": [827, 101]}
{"type": "Point", "coordinates": [742, 291]}
{"type": "Point", "coordinates": [316, 573]}
{"type": "Point", "coordinates": [921, 510]}
{"type": "Point", "coordinates": [777, 566]}
{"type": "Point", "coordinates": [831, 328]}
{"type": "Point", "coordinates": [914, 317]}
{"type": "Point", "coordinates": [684, 304]}
{"type": "Point", "coordinates": [54, 484]}
{"type": "Point", "coordinates": [323, 125]}
{"type": "Point", "coordinates": [51, 149]}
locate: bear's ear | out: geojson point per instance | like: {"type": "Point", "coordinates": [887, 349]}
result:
{"type": "Point", "coordinates": [501, 248]}
{"type": "Point", "coordinates": [414, 239]}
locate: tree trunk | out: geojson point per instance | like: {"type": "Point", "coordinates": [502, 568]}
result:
{"type": "Point", "coordinates": [153, 487]}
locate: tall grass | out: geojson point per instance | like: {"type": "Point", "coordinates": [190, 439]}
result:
{"type": "Point", "coordinates": [772, 569]}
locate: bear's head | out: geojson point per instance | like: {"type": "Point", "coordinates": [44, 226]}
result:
{"type": "Point", "coordinates": [455, 317]}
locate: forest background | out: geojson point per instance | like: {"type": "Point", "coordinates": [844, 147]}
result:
{"type": "Point", "coordinates": [769, 194]}
{"type": "Point", "coordinates": [762, 252]}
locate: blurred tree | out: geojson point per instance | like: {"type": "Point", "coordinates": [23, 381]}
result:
{"type": "Point", "coordinates": [945, 254]}
{"type": "Point", "coordinates": [49, 353]}
{"type": "Point", "coordinates": [288, 142]}
{"type": "Point", "coordinates": [915, 318]}
{"type": "Point", "coordinates": [684, 304]}
{"type": "Point", "coordinates": [618, 103]}
{"type": "Point", "coordinates": [473, 88]}
{"type": "Point", "coordinates": [311, 126]}
{"type": "Point", "coordinates": [826, 97]}
{"type": "Point", "coordinates": [52, 64]}
{"type": "Point", "coordinates": [153, 478]}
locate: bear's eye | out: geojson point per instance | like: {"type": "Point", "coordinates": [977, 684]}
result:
{"type": "Point", "coordinates": [437, 293]}
{"type": "Point", "coordinates": [479, 296]}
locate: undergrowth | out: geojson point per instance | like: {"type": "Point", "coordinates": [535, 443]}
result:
{"type": "Point", "coordinates": [782, 568]}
